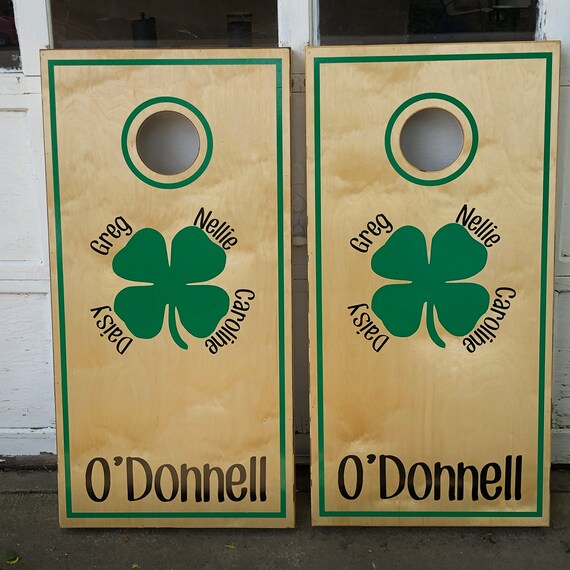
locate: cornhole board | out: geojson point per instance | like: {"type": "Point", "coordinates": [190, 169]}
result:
{"type": "Point", "coordinates": [431, 292]}
{"type": "Point", "coordinates": [171, 292]}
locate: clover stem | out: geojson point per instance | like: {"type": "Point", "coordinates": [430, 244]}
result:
{"type": "Point", "coordinates": [430, 323]}
{"type": "Point", "coordinates": [172, 326]}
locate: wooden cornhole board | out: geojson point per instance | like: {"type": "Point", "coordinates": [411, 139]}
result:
{"type": "Point", "coordinates": [404, 262]}
{"type": "Point", "coordinates": [171, 292]}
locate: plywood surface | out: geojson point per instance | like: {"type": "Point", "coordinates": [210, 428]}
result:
{"type": "Point", "coordinates": [171, 294]}
{"type": "Point", "coordinates": [431, 292]}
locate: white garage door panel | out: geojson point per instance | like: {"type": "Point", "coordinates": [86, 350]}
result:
{"type": "Point", "coordinates": [20, 226]}
{"type": "Point", "coordinates": [563, 258]}
{"type": "Point", "coordinates": [26, 379]}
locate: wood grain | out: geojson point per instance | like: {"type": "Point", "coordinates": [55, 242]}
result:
{"type": "Point", "coordinates": [412, 402]}
{"type": "Point", "coordinates": [227, 414]}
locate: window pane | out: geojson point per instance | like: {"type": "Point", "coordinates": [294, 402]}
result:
{"type": "Point", "coordinates": [163, 23]}
{"type": "Point", "coordinates": [420, 21]}
{"type": "Point", "coordinates": [9, 48]}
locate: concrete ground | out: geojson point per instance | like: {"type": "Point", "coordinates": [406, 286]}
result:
{"type": "Point", "coordinates": [29, 529]}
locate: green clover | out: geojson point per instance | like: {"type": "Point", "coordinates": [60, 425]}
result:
{"type": "Point", "coordinates": [194, 259]}
{"type": "Point", "coordinates": [455, 255]}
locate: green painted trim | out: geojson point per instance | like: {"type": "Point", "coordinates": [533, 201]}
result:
{"type": "Point", "coordinates": [438, 181]}
{"type": "Point", "coordinates": [282, 513]}
{"type": "Point", "coordinates": [437, 57]}
{"type": "Point", "coordinates": [179, 515]}
{"type": "Point", "coordinates": [192, 109]}
{"type": "Point", "coordinates": [544, 280]}
{"type": "Point", "coordinates": [431, 514]}
{"type": "Point", "coordinates": [281, 293]}
{"type": "Point", "coordinates": [318, 61]}
{"type": "Point", "coordinates": [181, 61]}
{"type": "Point", "coordinates": [60, 286]}
{"type": "Point", "coordinates": [318, 285]}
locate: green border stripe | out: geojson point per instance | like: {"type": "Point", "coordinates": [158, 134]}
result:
{"type": "Point", "coordinates": [282, 513]}
{"type": "Point", "coordinates": [178, 515]}
{"type": "Point", "coordinates": [431, 514]}
{"type": "Point", "coordinates": [466, 163]}
{"type": "Point", "coordinates": [207, 130]}
{"type": "Point", "coordinates": [544, 278]}
{"type": "Point", "coordinates": [439, 57]}
{"type": "Point", "coordinates": [60, 286]}
{"type": "Point", "coordinates": [209, 61]}
{"type": "Point", "coordinates": [281, 263]}
{"type": "Point", "coordinates": [318, 61]}
{"type": "Point", "coordinates": [318, 285]}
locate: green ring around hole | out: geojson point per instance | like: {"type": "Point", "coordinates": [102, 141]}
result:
{"type": "Point", "coordinates": [438, 181]}
{"type": "Point", "coordinates": [156, 183]}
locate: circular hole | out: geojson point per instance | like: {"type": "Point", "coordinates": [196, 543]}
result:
{"type": "Point", "coordinates": [168, 142]}
{"type": "Point", "coordinates": [431, 139]}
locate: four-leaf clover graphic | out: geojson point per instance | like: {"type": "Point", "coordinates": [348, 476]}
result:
{"type": "Point", "coordinates": [455, 255]}
{"type": "Point", "coordinates": [194, 258]}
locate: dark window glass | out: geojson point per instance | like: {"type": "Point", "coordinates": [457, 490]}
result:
{"type": "Point", "coordinates": [420, 21]}
{"type": "Point", "coordinates": [9, 48]}
{"type": "Point", "coordinates": [163, 23]}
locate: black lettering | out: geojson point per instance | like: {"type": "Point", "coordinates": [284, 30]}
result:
{"type": "Point", "coordinates": [461, 470]}
{"type": "Point", "coordinates": [112, 231]}
{"type": "Point", "coordinates": [373, 229]}
{"type": "Point", "coordinates": [383, 478]}
{"type": "Point", "coordinates": [354, 308]}
{"type": "Point", "coordinates": [200, 219]}
{"type": "Point", "coordinates": [252, 478]}
{"type": "Point", "coordinates": [122, 224]}
{"type": "Point", "coordinates": [212, 224]}
{"type": "Point", "coordinates": [158, 483]}
{"type": "Point", "coordinates": [485, 480]}
{"type": "Point", "coordinates": [239, 306]}
{"type": "Point", "coordinates": [411, 481]}
{"type": "Point", "coordinates": [130, 478]}
{"type": "Point", "coordinates": [359, 471]}
{"type": "Point", "coordinates": [235, 324]}
{"type": "Point", "coordinates": [358, 245]}
{"type": "Point", "coordinates": [230, 482]}
{"type": "Point", "coordinates": [371, 331]}
{"type": "Point", "coordinates": [438, 472]}
{"type": "Point", "coordinates": [207, 475]}
{"type": "Point", "coordinates": [123, 344]}
{"type": "Point", "coordinates": [474, 222]}
{"type": "Point", "coordinates": [239, 316]}
{"type": "Point", "coordinates": [363, 238]}
{"type": "Point", "coordinates": [106, 479]}
{"type": "Point", "coordinates": [99, 248]}
{"type": "Point", "coordinates": [184, 471]}
{"type": "Point", "coordinates": [249, 295]}
{"type": "Point", "coordinates": [230, 242]}
{"type": "Point", "coordinates": [478, 338]}
{"type": "Point", "coordinates": [360, 320]}
{"type": "Point", "coordinates": [510, 296]}
{"type": "Point", "coordinates": [106, 321]}
{"type": "Point", "coordinates": [379, 342]}
{"type": "Point", "coordinates": [488, 321]}
{"type": "Point", "coordinates": [466, 217]}
{"type": "Point", "coordinates": [97, 310]}
{"type": "Point", "coordinates": [104, 240]}
{"type": "Point", "coordinates": [115, 334]}
{"type": "Point", "coordinates": [384, 223]}
{"type": "Point", "coordinates": [365, 327]}
{"type": "Point", "coordinates": [263, 479]}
